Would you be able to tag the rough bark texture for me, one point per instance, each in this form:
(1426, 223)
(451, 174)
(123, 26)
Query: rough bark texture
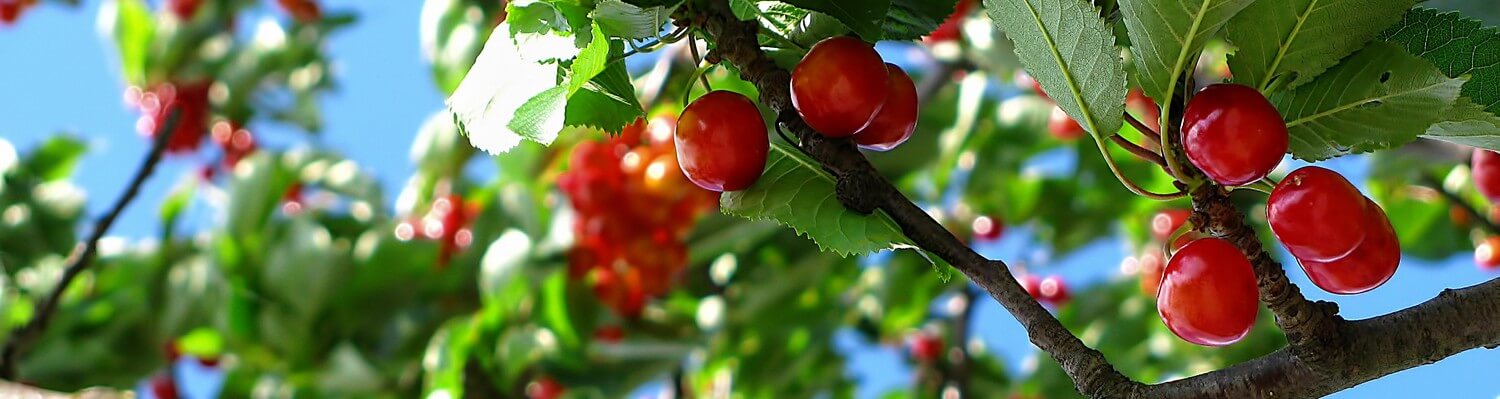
(1325, 353)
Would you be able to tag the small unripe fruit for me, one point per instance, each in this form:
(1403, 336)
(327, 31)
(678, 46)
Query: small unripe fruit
(1207, 294)
(839, 86)
(1314, 212)
(721, 142)
(1233, 134)
(896, 119)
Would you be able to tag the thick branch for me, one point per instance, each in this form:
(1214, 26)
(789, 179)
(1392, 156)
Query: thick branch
(83, 254)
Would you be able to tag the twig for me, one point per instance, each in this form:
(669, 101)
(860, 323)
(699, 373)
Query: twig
(83, 254)
(1483, 220)
(962, 323)
(1137, 150)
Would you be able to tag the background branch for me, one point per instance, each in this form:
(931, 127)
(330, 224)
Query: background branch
(83, 254)
(1453, 198)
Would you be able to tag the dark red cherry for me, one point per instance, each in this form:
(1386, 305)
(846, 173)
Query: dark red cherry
(1233, 134)
(896, 119)
(1311, 212)
(839, 86)
(1369, 266)
(1207, 294)
(1485, 167)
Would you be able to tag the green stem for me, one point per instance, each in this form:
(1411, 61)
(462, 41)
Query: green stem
(1114, 168)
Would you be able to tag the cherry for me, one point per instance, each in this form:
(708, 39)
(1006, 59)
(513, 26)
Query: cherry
(1315, 213)
(1369, 266)
(1025, 80)
(1208, 295)
(303, 11)
(172, 351)
(896, 119)
(1486, 171)
(1053, 290)
(237, 143)
(988, 228)
(1032, 285)
(721, 141)
(839, 86)
(1487, 253)
(949, 30)
(545, 388)
(1151, 267)
(1167, 222)
(1144, 109)
(1062, 126)
(162, 387)
(184, 9)
(1233, 134)
(10, 11)
(609, 334)
(925, 347)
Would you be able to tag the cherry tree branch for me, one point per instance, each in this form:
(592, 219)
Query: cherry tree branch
(1479, 218)
(83, 254)
(1325, 353)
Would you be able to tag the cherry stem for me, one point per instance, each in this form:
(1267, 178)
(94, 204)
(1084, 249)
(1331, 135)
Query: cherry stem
(1484, 221)
(1166, 247)
(697, 60)
(654, 45)
(1147, 131)
(697, 74)
(83, 254)
(1263, 185)
(1137, 150)
(1114, 168)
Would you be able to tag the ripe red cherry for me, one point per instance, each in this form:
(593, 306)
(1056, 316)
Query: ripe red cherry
(1062, 126)
(1151, 265)
(162, 387)
(1167, 222)
(1053, 290)
(184, 9)
(10, 11)
(1208, 295)
(1233, 134)
(721, 142)
(545, 388)
(1026, 81)
(949, 30)
(303, 11)
(1487, 254)
(896, 119)
(925, 347)
(609, 334)
(1313, 212)
(1486, 170)
(1031, 284)
(839, 86)
(988, 228)
(1368, 266)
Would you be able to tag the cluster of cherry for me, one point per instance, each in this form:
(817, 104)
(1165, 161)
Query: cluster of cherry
(447, 221)
(1342, 239)
(635, 208)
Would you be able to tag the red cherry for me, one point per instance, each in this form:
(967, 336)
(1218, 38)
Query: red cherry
(10, 11)
(1487, 254)
(237, 143)
(839, 86)
(1053, 290)
(1032, 285)
(1312, 211)
(1144, 109)
(1368, 266)
(1025, 80)
(184, 9)
(896, 119)
(172, 351)
(610, 334)
(721, 142)
(303, 11)
(1208, 295)
(1151, 268)
(924, 347)
(545, 388)
(1486, 171)
(1167, 222)
(209, 362)
(987, 228)
(1233, 134)
(1062, 126)
(162, 387)
(949, 30)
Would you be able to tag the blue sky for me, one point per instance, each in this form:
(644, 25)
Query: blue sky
(56, 75)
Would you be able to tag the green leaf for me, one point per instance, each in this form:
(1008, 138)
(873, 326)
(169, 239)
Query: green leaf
(1066, 46)
(745, 10)
(864, 17)
(1458, 46)
(1467, 124)
(796, 192)
(590, 62)
(56, 158)
(498, 87)
(541, 117)
(619, 19)
(1380, 97)
(912, 19)
(1303, 37)
(1167, 35)
(607, 102)
(133, 28)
